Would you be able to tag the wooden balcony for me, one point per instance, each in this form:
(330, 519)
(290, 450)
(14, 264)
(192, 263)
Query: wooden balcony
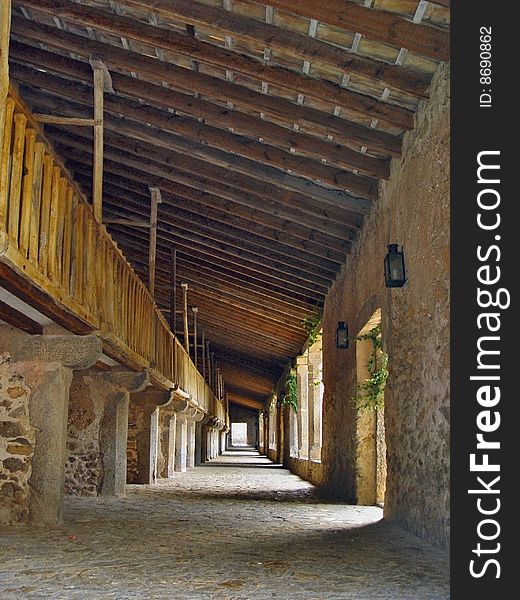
(55, 256)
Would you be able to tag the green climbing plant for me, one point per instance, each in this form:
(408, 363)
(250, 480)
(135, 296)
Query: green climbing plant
(291, 392)
(371, 393)
(312, 325)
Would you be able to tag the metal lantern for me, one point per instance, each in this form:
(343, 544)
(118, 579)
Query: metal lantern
(342, 335)
(395, 274)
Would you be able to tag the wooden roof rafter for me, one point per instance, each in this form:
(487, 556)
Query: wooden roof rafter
(267, 127)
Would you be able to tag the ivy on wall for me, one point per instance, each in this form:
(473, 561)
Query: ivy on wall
(371, 393)
(289, 397)
(312, 325)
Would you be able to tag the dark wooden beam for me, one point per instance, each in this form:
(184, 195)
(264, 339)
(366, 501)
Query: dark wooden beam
(241, 276)
(231, 257)
(358, 185)
(212, 138)
(172, 41)
(303, 46)
(379, 25)
(289, 233)
(151, 69)
(23, 289)
(310, 148)
(18, 319)
(275, 201)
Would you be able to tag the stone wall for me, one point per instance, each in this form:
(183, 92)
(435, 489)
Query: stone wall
(83, 467)
(132, 463)
(17, 441)
(413, 211)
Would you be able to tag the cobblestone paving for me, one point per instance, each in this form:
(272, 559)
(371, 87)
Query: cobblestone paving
(238, 528)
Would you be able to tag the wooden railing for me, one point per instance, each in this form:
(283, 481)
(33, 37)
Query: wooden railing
(49, 235)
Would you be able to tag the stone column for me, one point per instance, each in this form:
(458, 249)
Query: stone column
(315, 403)
(302, 382)
(201, 440)
(145, 422)
(167, 424)
(181, 443)
(192, 416)
(114, 427)
(223, 435)
(181, 408)
(46, 362)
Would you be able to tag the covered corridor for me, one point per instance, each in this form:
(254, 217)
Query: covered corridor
(224, 299)
(238, 527)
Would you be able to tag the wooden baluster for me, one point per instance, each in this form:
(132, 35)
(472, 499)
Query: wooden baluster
(67, 238)
(45, 210)
(25, 196)
(25, 205)
(53, 223)
(20, 122)
(5, 160)
(62, 198)
(80, 254)
(74, 246)
(36, 193)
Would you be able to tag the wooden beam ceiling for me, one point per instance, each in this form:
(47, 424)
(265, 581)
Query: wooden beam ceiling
(266, 168)
(376, 24)
(297, 44)
(167, 39)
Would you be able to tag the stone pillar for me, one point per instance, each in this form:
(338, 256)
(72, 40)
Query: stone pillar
(144, 418)
(46, 362)
(181, 443)
(181, 409)
(167, 425)
(315, 403)
(190, 453)
(223, 435)
(201, 440)
(302, 383)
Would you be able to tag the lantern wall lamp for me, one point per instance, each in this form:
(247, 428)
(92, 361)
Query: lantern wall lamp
(395, 273)
(342, 335)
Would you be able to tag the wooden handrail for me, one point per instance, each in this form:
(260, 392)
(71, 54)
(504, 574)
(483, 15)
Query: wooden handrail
(48, 235)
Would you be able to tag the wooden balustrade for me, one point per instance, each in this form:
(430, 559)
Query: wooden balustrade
(48, 234)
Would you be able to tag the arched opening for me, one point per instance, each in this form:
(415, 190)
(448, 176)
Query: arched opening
(371, 366)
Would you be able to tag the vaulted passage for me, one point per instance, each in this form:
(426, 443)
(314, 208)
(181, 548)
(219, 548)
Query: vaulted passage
(238, 527)
(224, 298)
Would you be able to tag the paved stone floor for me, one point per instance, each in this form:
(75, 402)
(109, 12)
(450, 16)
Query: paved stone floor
(237, 528)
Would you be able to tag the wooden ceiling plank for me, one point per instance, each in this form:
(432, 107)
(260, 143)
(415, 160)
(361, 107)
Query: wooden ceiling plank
(250, 278)
(376, 24)
(157, 174)
(308, 147)
(277, 155)
(209, 54)
(285, 40)
(273, 179)
(209, 222)
(341, 129)
(270, 309)
(240, 256)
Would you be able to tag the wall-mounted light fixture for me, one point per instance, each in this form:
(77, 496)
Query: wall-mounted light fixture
(395, 274)
(341, 335)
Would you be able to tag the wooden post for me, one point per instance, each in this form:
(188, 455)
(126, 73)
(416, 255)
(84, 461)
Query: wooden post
(195, 336)
(213, 372)
(5, 28)
(208, 358)
(173, 293)
(152, 251)
(102, 82)
(203, 348)
(184, 287)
